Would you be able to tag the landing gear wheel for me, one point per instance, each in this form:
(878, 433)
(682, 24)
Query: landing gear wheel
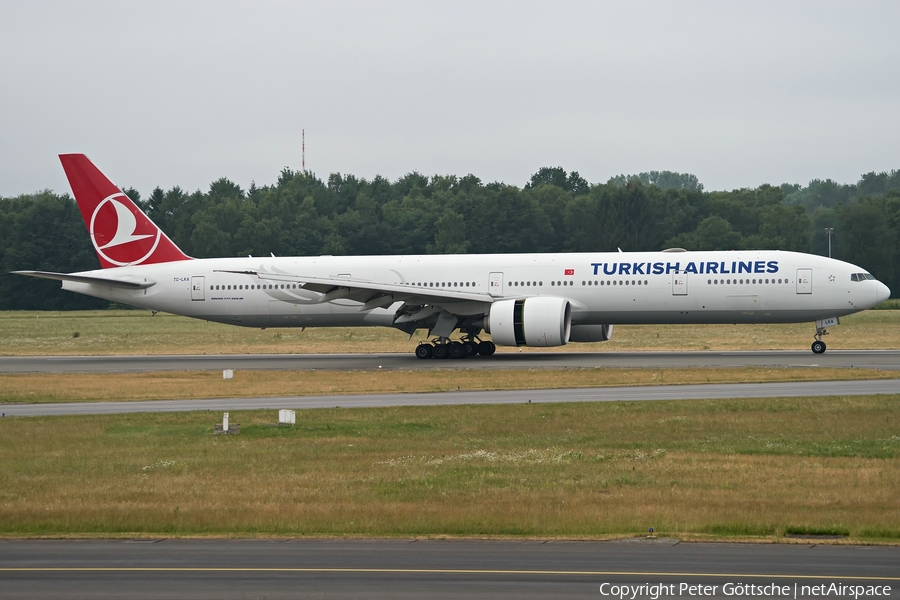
(441, 351)
(471, 348)
(457, 350)
(424, 351)
(818, 347)
(486, 348)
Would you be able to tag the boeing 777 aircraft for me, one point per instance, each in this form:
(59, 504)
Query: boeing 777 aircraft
(520, 299)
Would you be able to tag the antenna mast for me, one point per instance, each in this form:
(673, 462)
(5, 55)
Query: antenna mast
(303, 149)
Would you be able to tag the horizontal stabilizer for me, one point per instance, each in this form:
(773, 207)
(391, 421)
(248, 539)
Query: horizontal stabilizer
(127, 283)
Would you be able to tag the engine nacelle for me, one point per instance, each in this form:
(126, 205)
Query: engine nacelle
(591, 333)
(534, 321)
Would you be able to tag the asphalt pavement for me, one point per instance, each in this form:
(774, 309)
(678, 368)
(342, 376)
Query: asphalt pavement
(871, 359)
(336, 569)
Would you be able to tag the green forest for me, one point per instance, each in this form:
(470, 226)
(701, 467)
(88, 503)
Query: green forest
(556, 211)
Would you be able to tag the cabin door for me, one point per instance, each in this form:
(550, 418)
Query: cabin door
(197, 288)
(495, 285)
(679, 284)
(804, 281)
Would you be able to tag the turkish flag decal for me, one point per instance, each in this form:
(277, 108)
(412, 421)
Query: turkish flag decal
(570, 271)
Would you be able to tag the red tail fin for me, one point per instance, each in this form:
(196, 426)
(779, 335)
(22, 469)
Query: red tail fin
(122, 235)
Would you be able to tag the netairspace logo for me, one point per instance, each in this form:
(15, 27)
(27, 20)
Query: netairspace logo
(655, 591)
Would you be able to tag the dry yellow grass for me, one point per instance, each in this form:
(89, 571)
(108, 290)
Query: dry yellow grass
(729, 468)
(136, 332)
(85, 387)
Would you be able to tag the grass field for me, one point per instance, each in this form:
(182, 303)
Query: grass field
(137, 332)
(91, 387)
(724, 469)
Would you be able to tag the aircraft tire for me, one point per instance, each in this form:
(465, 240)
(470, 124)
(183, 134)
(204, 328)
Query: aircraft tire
(471, 348)
(441, 351)
(457, 350)
(424, 351)
(486, 348)
(818, 347)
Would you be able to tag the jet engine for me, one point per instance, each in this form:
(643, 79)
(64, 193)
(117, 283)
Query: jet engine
(535, 321)
(591, 333)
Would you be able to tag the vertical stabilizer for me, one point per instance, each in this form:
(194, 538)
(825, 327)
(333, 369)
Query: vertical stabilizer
(121, 233)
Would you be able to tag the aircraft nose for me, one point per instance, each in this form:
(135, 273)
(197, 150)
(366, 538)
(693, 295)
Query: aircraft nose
(882, 293)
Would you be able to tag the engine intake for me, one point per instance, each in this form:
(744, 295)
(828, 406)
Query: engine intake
(535, 321)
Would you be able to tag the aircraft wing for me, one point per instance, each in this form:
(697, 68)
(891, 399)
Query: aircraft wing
(129, 282)
(379, 295)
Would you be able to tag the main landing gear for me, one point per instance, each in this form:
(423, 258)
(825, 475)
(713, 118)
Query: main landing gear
(444, 348)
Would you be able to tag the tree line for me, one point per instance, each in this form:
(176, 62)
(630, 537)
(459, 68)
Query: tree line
(556, 211)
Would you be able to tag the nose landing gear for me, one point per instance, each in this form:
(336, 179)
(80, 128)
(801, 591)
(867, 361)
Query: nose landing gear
(818, 346)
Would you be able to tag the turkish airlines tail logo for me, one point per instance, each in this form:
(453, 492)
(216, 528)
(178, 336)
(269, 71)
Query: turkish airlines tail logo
(122, 235)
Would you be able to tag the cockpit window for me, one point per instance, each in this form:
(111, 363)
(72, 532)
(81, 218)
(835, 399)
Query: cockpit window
(861, 277)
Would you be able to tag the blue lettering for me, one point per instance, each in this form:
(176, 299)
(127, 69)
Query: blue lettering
(690, 268)
(609, 271)
(759, 266)
(657, 268)
(638, 269)
(596, 267)
(773, 266)
(670, 268)
(733, 267)
(725, 271)
(712, 268)
(624, 269)
(745, 267)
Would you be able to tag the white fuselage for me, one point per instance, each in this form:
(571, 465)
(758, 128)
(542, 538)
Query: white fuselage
(603, 288)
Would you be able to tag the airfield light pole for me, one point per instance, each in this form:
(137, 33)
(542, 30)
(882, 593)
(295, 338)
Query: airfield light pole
(829, 231)
(303, 150)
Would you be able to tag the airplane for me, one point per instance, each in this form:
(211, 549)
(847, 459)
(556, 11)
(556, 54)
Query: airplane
(540, 300)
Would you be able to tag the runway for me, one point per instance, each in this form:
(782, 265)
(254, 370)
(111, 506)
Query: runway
(337, 569)
(871, 359)
(605, 394)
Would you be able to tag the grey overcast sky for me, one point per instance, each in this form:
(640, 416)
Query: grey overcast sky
(181, 93)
